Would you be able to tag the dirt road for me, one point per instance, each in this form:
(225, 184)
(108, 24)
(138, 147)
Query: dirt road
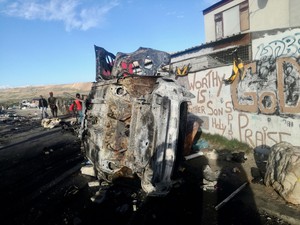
(41, 183)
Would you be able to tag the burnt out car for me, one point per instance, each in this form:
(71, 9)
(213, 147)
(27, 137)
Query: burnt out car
(135, 119)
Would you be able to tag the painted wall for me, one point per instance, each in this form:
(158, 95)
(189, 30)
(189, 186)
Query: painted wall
(261, 109)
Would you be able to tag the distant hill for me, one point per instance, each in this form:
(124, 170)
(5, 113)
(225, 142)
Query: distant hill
(10, 96)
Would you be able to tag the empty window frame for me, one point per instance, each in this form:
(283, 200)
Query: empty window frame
(219, 25)
(244, 16)
(232, 21)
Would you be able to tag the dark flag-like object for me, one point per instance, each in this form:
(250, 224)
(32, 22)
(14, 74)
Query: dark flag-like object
(104, 63)
(237, 69)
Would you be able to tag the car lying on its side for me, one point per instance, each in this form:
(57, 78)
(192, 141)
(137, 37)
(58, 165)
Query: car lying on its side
(135, 119)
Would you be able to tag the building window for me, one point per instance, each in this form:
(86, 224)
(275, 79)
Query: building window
(219, 25)
(244, 16)
(232, 21)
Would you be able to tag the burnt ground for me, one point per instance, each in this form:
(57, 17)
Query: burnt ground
(41, 183)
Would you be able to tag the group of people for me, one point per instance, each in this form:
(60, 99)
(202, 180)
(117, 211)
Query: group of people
(43, 105)
(75, 107)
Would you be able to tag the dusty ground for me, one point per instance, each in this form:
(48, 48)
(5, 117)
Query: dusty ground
(41, 183)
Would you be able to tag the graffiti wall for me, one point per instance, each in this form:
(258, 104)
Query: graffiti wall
(262, 106)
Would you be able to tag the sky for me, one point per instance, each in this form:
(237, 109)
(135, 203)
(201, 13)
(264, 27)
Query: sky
(44, 42)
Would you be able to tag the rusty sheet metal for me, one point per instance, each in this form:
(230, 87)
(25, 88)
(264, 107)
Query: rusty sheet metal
(138, 85)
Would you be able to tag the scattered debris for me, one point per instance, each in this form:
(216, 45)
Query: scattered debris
(211, 154)
(134, 207)
(200, 144)
(188, 157)
(236, 170)
(88, 170)
(208, 185)
(239, 157)
(50, 123)
(69, 126)
(100, 195)
(221, 204)
(94, 183)
(209, 174)
(72, 190)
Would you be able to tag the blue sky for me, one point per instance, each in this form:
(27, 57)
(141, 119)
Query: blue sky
(52, 41)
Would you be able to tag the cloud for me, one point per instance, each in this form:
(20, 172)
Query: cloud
(73, 13)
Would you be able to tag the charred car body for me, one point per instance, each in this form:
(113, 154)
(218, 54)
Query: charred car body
(135, 119)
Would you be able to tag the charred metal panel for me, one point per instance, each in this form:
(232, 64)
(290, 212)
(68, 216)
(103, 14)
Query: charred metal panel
(132, 127)
(144, 61)
(104, 63)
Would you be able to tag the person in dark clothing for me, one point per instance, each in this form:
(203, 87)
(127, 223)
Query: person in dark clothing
(43, 106)
(52, 104)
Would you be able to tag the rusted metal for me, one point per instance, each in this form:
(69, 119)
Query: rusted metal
(135, 126)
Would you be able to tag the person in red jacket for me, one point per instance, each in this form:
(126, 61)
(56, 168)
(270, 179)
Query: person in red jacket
(76, 107)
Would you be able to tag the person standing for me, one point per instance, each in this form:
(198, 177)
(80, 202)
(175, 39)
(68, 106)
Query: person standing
(43, 105)
(52, 104)
(76, 107)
